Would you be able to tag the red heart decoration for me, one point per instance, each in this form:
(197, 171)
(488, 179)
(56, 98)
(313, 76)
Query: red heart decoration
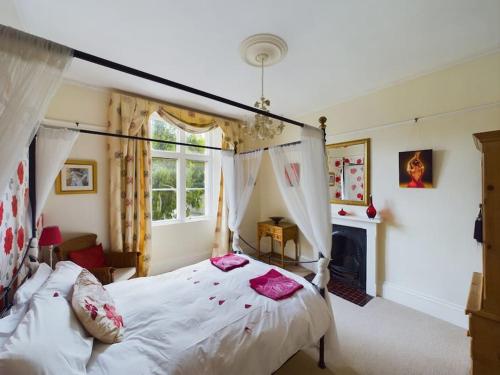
(211, 298)
(247, 306)
(221, 301)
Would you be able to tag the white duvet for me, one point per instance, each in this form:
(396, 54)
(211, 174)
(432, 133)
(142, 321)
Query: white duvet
(200, 320)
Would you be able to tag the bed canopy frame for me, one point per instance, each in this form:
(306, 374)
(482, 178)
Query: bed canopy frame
(7, 293)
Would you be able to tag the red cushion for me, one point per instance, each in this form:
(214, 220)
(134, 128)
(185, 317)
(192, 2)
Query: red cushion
(91, 257)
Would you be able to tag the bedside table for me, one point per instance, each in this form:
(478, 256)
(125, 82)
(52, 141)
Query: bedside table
(282, 233)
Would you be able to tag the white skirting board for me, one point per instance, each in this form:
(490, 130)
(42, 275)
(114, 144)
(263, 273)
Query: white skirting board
(430, 305)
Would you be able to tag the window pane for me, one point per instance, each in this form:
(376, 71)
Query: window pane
(195, 139)
(164, 173)
(195, 174)
(164, 205)
(165, 131)
(195, 202)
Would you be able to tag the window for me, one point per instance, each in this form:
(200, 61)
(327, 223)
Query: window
(182, 175)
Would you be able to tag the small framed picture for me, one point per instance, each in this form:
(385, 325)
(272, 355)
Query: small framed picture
(77, 177)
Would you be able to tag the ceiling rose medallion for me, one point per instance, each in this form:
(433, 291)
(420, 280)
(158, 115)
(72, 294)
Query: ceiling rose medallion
(263, 50)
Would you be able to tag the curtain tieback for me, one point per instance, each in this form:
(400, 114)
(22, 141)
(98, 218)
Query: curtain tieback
(323, 273)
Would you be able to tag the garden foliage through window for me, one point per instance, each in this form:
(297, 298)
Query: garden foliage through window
(180, 173)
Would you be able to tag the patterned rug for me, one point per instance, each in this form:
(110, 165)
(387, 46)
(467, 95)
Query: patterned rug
(345, 291)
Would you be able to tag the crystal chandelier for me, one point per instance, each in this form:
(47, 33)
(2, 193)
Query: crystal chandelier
(263, 50)
(263, 127)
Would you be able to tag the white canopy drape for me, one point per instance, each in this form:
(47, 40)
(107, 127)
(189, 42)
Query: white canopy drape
(52, 149)
(302, 176)
(30, 71)
(240, 174)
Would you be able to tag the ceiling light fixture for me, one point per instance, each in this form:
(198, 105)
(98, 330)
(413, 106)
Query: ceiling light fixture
(263, 50)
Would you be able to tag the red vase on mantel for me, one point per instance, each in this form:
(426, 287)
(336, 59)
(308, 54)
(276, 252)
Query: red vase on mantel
(371, 212)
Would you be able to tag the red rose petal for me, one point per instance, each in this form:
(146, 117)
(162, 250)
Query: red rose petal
(196, 282)
(211, 298)
(55, 294)
(221, 301)
(247, 306)
(216, 283)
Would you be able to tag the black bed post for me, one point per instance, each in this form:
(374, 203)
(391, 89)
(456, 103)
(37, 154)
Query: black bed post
(32, 184)
(321, 362)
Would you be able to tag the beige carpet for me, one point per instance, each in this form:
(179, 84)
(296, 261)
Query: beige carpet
(384, 338)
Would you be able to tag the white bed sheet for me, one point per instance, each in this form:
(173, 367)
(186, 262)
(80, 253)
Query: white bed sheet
(174, 326)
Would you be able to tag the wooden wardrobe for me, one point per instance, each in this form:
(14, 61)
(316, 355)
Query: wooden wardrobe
(483, 305)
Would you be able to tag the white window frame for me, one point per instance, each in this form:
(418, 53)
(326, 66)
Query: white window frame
(182, 155)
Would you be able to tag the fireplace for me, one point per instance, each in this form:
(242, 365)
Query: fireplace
(348, 256)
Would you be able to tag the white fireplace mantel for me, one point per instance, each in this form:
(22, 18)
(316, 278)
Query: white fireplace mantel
(370, 225)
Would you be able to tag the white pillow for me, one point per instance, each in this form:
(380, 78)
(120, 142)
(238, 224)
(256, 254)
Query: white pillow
(61, 281)
(9, 323)
(49, 340)
(22, 297)
(31, 286)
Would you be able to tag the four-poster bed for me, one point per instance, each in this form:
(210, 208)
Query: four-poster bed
(307, 200)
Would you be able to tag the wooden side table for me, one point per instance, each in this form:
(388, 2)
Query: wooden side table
(282, 233)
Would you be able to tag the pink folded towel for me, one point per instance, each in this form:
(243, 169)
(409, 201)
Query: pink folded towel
(275, 285)
(228, 262)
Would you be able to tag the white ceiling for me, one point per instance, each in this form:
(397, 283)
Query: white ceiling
(338, 49)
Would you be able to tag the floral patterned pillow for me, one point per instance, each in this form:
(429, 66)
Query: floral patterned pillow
(95, 309)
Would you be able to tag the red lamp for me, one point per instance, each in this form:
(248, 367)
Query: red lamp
(50, 236)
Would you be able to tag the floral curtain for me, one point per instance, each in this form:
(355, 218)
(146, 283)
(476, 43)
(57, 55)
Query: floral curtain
(130, 170)
(14, 224)
(130, 182)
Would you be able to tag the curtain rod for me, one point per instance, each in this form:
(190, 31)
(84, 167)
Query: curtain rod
(151, 77)
(97, 132)
(267, 148)
(106, 134)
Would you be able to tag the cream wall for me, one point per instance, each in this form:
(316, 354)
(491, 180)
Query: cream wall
(173, 245)
(427, 254)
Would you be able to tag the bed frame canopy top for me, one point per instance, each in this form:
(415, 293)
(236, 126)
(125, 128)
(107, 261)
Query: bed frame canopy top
(6, 295)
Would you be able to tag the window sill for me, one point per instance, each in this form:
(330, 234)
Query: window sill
(160, 223)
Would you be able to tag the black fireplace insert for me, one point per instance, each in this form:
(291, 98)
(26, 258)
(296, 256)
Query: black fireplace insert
(348, 254)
